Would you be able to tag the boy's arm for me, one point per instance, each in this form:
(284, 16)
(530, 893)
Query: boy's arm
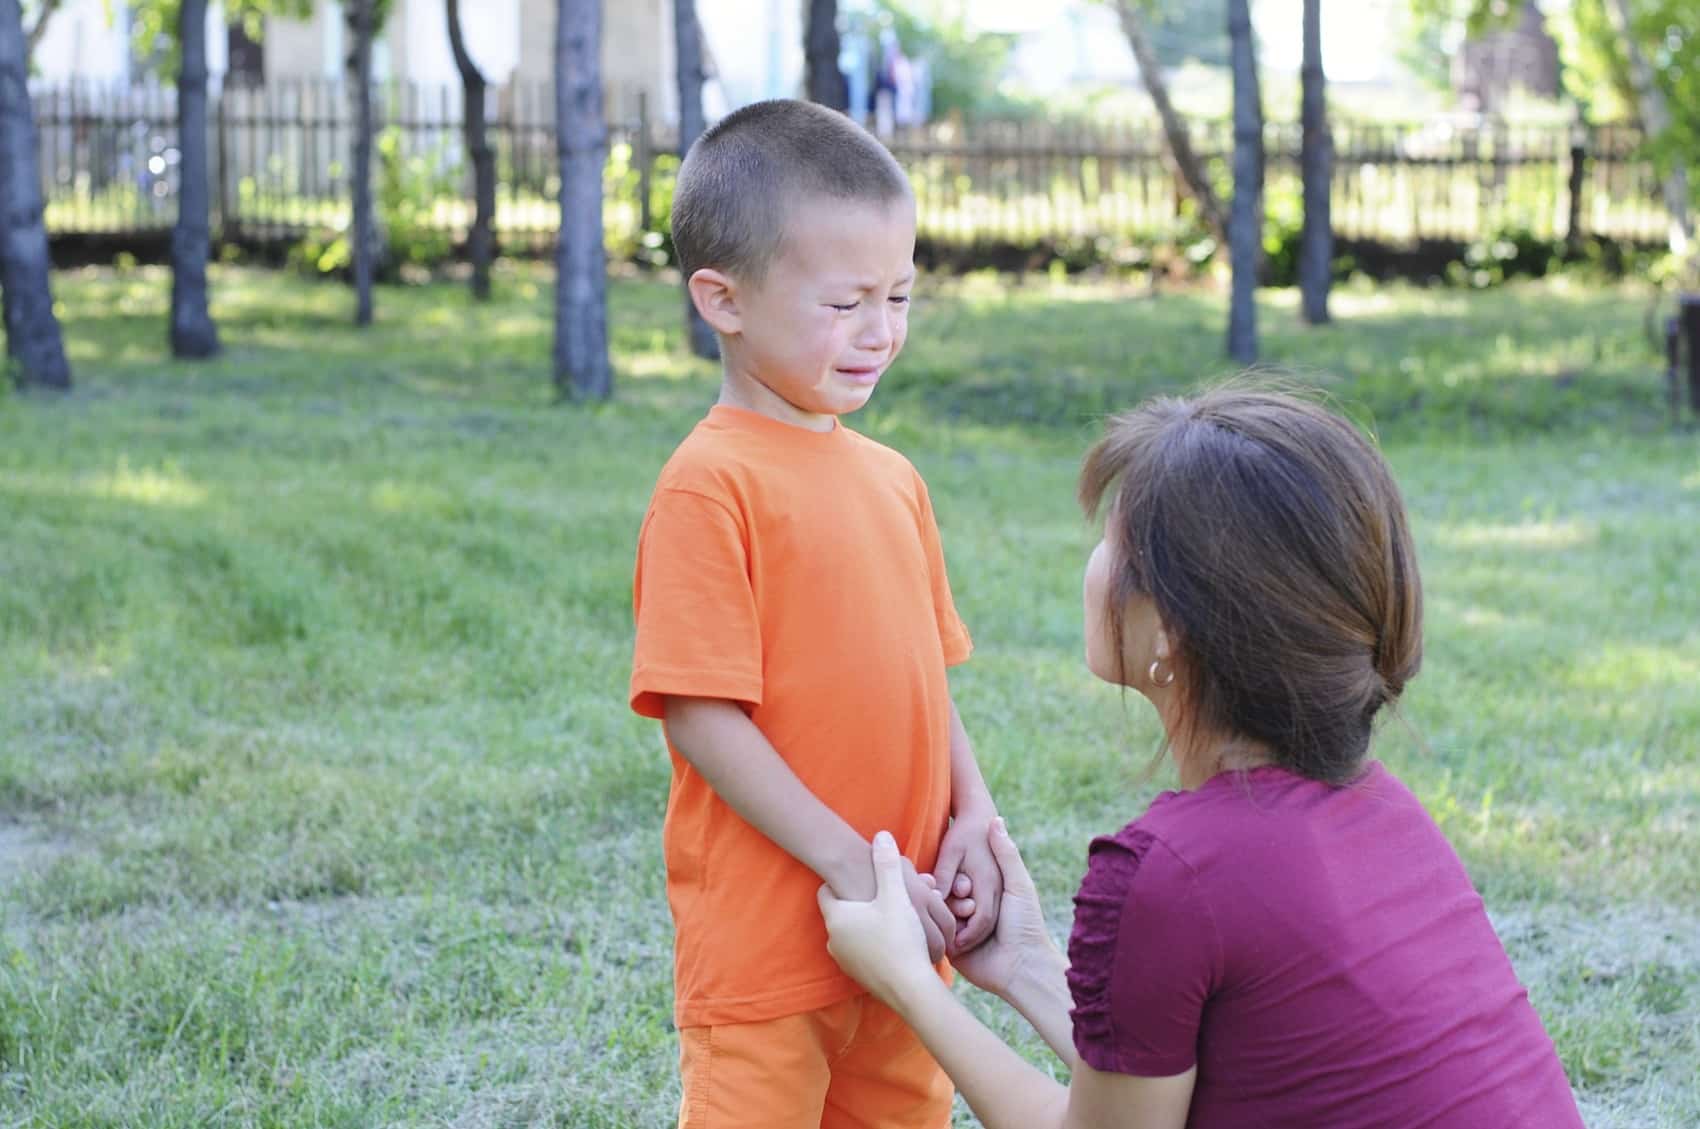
(969, 796)
(744, 769)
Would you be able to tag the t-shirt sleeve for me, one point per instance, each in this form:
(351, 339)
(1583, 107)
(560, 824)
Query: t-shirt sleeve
(697, 630)
(952, 633)
(1143, 958)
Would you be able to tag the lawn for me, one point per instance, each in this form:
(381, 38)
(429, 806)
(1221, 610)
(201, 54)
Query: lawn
(320, 804)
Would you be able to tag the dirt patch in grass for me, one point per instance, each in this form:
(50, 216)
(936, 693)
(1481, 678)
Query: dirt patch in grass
(1618, 988)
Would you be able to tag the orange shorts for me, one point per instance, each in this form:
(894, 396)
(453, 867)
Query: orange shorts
(851, 1065)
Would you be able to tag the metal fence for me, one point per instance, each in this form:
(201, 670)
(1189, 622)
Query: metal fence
(280, 170)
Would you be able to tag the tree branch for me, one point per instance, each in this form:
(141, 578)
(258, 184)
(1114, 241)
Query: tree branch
(48, 7)
(1185, 162)
(469, 72)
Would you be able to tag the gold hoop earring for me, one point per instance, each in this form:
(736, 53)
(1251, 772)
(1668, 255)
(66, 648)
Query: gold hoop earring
(1155, 681)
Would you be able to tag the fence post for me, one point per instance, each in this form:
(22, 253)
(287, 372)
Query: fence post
(643, 155)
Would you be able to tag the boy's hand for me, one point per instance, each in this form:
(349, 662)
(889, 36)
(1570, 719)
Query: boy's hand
(937, 922)
(968, 874)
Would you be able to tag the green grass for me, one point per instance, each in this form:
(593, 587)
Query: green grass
(320, 803)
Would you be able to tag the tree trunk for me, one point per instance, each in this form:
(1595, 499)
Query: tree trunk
(1187, 168)
(582, 371)
(364, 236)
(1244, 230)
(192, 331)
(32, 331)
(1655, 119)
(823, 80)
(481, 240)
(1573, 184)
(1316, 163)
(687, 36)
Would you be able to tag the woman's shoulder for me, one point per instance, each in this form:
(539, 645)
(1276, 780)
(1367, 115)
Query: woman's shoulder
(1212, 833)
(1137, 857)
(1142, 929)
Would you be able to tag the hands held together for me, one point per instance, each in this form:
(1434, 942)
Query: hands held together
(994, 915)
(957, 904)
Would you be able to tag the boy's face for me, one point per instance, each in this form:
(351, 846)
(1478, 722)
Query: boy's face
(831, 314)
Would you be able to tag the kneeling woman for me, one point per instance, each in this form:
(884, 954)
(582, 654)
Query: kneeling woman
(1288, 940)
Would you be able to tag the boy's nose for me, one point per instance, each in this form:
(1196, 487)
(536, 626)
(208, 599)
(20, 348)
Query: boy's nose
(877, 330)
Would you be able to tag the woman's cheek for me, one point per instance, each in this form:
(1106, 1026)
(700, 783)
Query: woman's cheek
(1102, 657)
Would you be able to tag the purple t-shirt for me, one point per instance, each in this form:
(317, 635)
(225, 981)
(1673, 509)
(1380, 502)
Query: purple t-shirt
(1318, 952)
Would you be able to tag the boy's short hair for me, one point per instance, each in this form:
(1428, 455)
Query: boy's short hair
(742, 177)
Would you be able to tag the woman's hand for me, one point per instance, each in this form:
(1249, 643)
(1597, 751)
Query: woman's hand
(1020, 932)
(879, 943)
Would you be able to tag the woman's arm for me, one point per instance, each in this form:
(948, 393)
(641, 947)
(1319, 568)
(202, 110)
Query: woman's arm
(880, 944)
(1003, 1088)
(1039, 991)
(1008, 1092)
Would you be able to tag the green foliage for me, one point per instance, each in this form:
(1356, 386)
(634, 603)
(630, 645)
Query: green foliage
(1424, 51)
(1514, 253)
(1595, 69)
(1670, 33)
(622, 183)
(410, 188)
(1283, 233)
(153, 25)
(1184, 31)
(967, 67)
(1596, 72)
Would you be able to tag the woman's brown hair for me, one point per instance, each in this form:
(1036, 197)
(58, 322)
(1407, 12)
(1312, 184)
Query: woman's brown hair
(1273, 541)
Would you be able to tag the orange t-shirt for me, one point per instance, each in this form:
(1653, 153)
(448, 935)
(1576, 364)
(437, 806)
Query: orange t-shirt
(800, 574)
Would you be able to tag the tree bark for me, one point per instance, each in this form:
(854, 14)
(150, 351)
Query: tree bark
(1655, 119)
(1244, 229)
(33, 341)
(193, 333)
(1573, 185)
(1184, 162)
(1316, 162)
(481, 241)
(822, 79)
(582, 371)
(687, 36)
(364, 235)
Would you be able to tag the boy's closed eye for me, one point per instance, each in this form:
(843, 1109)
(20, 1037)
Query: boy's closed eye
(846, 307)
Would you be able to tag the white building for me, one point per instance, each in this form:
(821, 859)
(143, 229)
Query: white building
(511, 40)
(84, 43)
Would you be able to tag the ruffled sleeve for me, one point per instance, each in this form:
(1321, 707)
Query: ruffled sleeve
(1143, 958)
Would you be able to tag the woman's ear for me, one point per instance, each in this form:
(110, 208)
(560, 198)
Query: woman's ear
(715, 296)
(1162, 645)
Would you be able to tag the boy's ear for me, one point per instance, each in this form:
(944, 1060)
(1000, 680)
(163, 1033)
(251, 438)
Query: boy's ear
(715, 296)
